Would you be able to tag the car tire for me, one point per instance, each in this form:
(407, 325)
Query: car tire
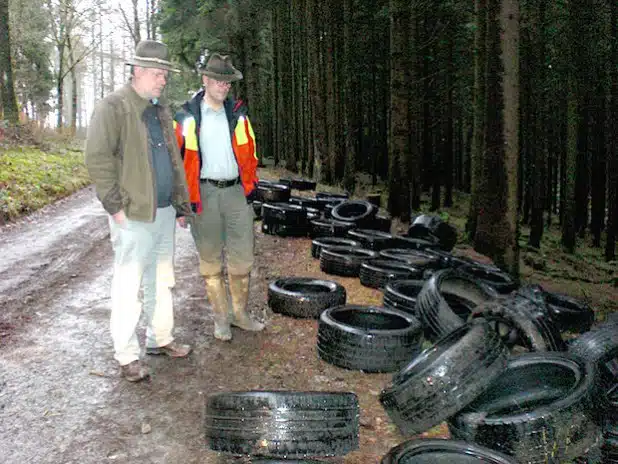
(283, 423)
(445, 378)
(304, 297)
(319, 243)
(402, 295)
(344, 261)
(538, 410)
(376, 273)
(368, 338)
(521, 324)
(433, 307)
(443, 451)
(371, 239)
(357, 211)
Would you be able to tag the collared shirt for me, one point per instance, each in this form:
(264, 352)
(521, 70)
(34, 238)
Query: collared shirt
(161, 160)
(218, 161)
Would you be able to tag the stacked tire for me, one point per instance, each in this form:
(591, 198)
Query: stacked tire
(496, 370)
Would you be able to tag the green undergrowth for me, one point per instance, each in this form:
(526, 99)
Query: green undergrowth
(31, 178)
(584, 274)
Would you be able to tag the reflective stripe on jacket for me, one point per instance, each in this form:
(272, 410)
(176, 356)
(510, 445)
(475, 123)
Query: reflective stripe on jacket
(187, 128)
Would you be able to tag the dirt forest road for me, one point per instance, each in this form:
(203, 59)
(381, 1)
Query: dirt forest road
(61, 398)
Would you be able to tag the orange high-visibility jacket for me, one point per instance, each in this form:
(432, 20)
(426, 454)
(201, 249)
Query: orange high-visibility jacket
(187, 124)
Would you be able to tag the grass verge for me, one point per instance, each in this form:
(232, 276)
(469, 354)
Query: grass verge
(31, 178)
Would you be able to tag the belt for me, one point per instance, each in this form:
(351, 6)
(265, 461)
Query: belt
(222, 183)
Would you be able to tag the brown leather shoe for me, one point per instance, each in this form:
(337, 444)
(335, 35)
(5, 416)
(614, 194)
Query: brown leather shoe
(135, 371)
(173, 350)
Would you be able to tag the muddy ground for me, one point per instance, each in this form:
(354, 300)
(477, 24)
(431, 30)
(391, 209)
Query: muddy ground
(61, 397)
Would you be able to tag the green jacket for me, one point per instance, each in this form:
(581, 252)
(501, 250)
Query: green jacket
(119, 159)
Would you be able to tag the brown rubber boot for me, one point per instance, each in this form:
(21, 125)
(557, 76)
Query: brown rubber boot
(239, 290)
(217, 295)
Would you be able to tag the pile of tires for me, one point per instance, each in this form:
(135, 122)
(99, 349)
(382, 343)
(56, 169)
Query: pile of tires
(495, 366)
(538, 406)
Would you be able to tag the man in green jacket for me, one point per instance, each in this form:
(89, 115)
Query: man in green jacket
(135, 164)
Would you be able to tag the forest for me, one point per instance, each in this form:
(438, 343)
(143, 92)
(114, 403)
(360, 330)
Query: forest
(514, 103)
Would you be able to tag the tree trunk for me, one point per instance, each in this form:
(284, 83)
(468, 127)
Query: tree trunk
(612, 146)
(539, 152)
(153, 19)
(329, 78)
(413, 162)
(347, 74)
(599, 179)
(497, 223)
(276, 86)
(447, 151)
(582, 174)
(136, 25)
(254, 21)
(60, 87)
(398, 136)
(570, 167)
(477, 149)
(7, 87)
(509, 20)
(74, 96)
(318, 116)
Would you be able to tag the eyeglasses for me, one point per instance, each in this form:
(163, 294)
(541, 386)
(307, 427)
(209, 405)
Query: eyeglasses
(222, 83)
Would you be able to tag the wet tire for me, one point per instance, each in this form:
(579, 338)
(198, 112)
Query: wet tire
(426, 225)
(356, 211)
(344, 261)
(443, 452)
(521, 324)
(312, 213)
(383, 223)
(304, 297)
(414, 243)
(417, 258)
(299, 184)
(371, 239)
(501, 281)
(449, 260)
(445, 378)
(376, 273)
(330, 228)
(537, 411)
(273, 193)
(284, 230)
(599, 346)
(284, 213)
(569, 314)
(319, 243)
(329, 196)
(402, 295)
(305, 202)
(257, 209)
(433, 308)
(368, 338)
(282, 424)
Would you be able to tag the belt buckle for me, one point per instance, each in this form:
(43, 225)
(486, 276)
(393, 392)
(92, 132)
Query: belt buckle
(221, 183)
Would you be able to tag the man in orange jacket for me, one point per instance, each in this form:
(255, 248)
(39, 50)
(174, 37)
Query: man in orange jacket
(217, 143)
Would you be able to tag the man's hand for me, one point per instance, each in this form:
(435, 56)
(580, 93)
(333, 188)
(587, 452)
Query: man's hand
(119, 218)
(182, 222)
